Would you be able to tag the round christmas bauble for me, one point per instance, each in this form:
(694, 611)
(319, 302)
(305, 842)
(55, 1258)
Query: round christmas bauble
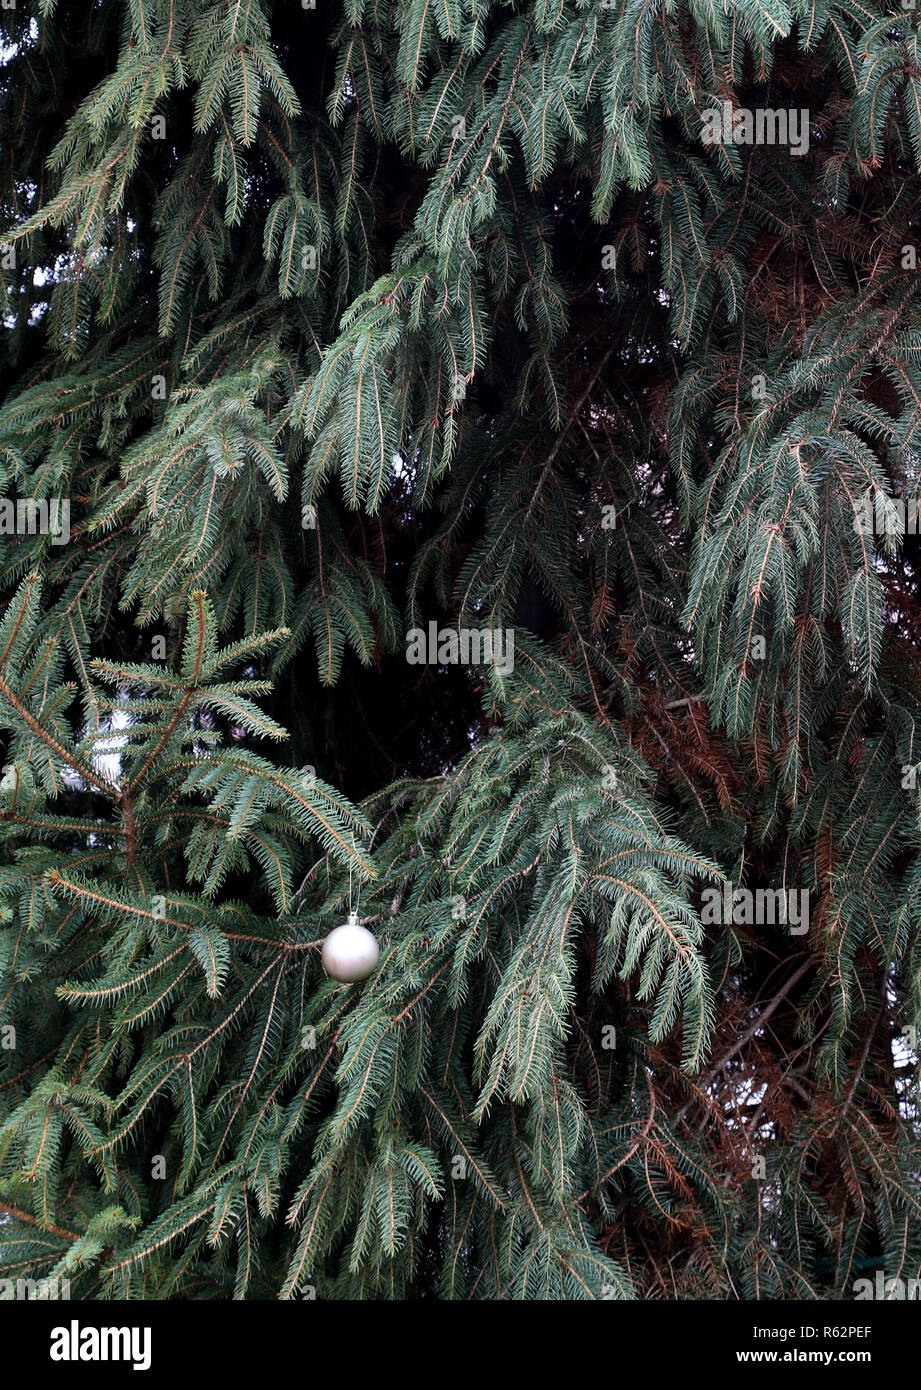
(350, 952)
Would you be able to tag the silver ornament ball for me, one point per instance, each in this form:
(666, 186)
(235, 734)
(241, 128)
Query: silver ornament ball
(350, 952)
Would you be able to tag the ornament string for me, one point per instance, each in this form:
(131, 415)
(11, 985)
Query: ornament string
(353, 910)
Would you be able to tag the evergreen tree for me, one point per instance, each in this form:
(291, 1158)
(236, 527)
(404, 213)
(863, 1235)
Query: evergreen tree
(323, 325)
